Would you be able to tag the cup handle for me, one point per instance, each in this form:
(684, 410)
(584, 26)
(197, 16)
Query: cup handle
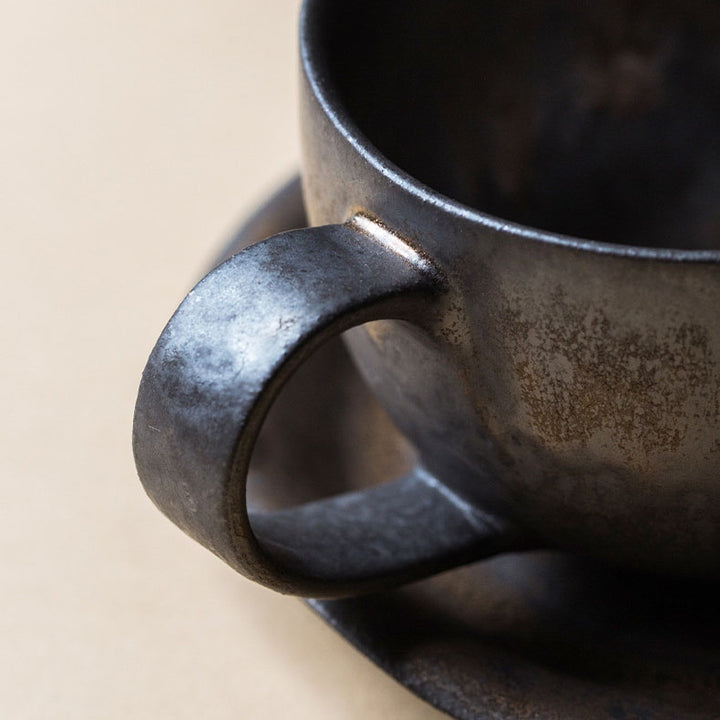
(215, 371)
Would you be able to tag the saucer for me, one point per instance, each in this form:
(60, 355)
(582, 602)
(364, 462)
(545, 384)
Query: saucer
(537, 635)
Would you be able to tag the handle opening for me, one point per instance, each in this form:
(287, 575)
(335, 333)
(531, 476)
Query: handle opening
(213, 376)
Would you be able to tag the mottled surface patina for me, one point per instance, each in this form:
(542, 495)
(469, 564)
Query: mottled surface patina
(572, 384)
(537, 636)
(556, 371)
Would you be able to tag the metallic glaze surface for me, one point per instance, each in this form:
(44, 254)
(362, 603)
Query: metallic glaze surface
(214, 373)
(533, 635)
(564, 386)
(573, 385)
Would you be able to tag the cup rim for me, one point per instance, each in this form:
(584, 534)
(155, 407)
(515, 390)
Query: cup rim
(337, 114)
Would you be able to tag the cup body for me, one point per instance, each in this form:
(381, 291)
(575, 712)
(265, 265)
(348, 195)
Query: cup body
(573, 385)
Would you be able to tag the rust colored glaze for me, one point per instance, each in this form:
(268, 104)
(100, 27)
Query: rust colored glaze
(581, 377)
(557, 370)
(516, 229)
(537, 636)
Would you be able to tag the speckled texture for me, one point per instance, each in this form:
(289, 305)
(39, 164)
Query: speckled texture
(539, 636)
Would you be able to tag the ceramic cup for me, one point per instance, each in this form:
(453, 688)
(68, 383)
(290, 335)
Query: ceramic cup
(515, 209)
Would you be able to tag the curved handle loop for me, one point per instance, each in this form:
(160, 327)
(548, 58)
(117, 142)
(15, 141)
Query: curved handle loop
(214, 373)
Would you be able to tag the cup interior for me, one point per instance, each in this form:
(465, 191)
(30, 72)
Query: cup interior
(598, 119)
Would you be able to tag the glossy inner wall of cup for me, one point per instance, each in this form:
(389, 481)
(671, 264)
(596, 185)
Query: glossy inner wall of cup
(599, 120)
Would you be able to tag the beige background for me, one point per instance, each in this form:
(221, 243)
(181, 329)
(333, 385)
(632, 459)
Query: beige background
(135, 135)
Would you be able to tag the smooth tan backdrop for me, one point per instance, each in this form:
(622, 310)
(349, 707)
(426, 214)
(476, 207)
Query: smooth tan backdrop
(135, 136)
